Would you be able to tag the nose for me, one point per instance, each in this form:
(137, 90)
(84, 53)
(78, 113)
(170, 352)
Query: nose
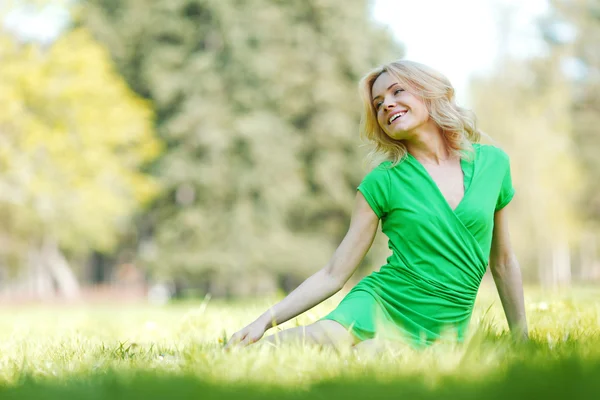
(389, 102)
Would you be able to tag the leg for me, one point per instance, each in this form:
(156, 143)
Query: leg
(324, 332)
(379, 347)
(369, 347)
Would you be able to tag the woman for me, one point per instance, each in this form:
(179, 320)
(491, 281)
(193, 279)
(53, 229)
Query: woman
(441, 197)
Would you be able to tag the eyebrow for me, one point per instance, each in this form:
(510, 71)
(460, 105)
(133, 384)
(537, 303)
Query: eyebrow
(391, 86)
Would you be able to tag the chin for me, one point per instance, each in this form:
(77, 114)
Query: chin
(399, 134)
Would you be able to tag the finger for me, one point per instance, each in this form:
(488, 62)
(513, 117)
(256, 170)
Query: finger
(237, 338)
(234, 339)
(245, 342)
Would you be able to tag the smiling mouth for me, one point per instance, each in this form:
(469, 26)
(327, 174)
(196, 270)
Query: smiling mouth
(396, 116)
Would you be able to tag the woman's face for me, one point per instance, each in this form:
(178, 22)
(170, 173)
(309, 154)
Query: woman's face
(398, 112)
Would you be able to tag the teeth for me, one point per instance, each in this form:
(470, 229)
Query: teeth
(395, 117)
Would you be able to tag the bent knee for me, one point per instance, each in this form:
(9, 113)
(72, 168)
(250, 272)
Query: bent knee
(329, 332)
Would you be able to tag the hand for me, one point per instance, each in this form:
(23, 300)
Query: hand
(520, 334)
(246, 336)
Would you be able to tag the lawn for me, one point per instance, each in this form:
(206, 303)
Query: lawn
(175, 351)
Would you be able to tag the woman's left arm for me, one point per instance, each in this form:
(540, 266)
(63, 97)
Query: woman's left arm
(507, 276)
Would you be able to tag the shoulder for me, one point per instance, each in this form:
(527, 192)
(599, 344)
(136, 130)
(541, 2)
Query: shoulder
(381, 171)
(382, 168)
(490, 151)
(378, 177)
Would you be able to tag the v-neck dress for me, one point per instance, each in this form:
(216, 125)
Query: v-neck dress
(427, 288)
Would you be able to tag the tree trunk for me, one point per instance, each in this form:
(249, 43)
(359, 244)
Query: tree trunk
(588, 254)
(561, 264)
(40, 282)
(555, 264)
(66, 283)
(544, 266)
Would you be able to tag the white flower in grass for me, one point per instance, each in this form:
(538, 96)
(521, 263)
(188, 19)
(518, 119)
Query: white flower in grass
(542, 306)
(150, 325)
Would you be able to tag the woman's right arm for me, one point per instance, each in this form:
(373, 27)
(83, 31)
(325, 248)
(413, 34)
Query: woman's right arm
(325, 282)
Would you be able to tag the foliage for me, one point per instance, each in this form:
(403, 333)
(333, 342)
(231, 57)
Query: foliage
(545, 111)
(257, 103)
(524, 106)
(73, 138)
(572, 32)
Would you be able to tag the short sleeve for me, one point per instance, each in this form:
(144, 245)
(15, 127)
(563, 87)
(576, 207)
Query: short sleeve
(507, 190)
(375, 188)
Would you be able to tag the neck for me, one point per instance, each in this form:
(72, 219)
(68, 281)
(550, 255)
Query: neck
(427, 144)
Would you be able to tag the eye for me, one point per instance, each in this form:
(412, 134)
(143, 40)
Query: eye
(378, 104)
(398, 91)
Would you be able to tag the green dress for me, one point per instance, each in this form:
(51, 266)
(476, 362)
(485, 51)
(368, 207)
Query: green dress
(427, 288)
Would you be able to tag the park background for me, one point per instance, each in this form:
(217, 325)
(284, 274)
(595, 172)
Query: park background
(170, 169)
(192, 147)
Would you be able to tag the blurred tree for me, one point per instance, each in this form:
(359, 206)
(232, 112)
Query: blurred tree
(524, 106)
(72, 140)
(572, 33)
(257, 103)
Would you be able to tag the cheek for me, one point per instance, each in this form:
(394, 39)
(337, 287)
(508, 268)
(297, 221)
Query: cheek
(422, 112)
(381, 121)
(417, 106)
(425, 109)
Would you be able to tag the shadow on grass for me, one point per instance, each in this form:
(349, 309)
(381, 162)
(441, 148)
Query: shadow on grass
(560, 379)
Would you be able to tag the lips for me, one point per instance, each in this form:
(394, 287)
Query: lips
(396, 115)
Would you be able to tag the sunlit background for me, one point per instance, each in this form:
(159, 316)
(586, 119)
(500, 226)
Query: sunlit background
(151, 149)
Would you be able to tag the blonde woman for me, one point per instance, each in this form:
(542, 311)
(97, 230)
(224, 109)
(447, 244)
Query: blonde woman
(441, 198)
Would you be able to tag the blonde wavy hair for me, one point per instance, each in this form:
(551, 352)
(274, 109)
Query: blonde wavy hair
(457, 123)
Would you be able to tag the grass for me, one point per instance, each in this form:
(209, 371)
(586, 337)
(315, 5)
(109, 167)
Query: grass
(152, 352)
